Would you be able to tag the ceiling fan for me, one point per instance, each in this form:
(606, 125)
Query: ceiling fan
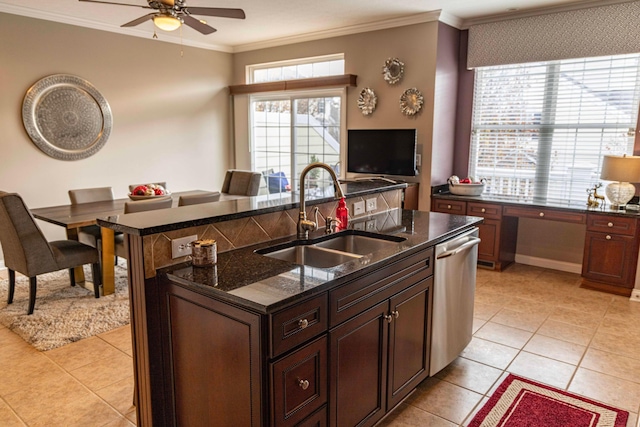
(171, 14)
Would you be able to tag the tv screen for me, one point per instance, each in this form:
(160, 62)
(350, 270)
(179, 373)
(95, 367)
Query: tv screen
(382, 151)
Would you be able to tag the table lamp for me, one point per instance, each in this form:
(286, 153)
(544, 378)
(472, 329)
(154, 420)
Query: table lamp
(623, 170)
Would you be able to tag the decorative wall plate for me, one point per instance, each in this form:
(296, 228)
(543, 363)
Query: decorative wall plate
(393, 70)
(411, 101)
(66, 117)
(367, 101)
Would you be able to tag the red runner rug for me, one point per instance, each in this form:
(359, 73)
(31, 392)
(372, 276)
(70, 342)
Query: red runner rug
(519, 402)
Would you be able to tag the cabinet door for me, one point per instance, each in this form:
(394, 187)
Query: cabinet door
(610, 258)
(409, 341)
(358, 368)
(489, 247)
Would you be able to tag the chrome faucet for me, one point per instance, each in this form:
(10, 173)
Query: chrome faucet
(305, 225)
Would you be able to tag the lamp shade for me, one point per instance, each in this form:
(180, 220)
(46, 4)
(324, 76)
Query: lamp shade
(167, 22)
(621, 168)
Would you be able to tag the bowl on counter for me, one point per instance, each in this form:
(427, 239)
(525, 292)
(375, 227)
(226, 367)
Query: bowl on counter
(161, 196)
(474, 189)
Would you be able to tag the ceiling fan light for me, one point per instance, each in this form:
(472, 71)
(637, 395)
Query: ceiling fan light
(166, 22)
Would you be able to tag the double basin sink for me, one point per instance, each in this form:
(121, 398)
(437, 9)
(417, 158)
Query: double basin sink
(331, 250)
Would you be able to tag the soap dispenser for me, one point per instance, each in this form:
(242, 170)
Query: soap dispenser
(342, 214)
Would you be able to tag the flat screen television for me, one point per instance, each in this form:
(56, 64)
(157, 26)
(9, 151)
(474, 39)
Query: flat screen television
(382, 151)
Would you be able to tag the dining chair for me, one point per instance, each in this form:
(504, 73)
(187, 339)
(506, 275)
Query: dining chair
(91, 234)
(241, 182)
(28, 252)
(120, 246)
(196, 199)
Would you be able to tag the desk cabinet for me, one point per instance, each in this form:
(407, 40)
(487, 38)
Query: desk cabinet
(497, 233)
(610, 253)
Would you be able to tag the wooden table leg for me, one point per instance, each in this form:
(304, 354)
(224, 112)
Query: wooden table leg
(108, 261)
(72, 234)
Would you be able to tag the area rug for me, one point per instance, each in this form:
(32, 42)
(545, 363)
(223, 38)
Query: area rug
(63, 314)
(519, 402)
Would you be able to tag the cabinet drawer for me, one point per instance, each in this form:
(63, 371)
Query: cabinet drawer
(485, 210)
(360, 294)
(544, 213)
(299, 384)
(295, 325)
(450, 206)
(612, 224)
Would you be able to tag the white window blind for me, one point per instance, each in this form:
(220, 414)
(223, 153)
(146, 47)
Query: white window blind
(540, 130)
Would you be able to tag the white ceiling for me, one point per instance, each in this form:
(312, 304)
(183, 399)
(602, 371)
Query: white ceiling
(277, 22)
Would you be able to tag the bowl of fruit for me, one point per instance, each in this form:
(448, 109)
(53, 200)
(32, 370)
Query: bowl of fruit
(466, 186)
(149, 191)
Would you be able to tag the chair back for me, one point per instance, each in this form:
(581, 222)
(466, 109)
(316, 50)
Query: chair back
(241, 183)
(90, 195)
(133, 186)
(196, 199)
(25, 248)
(148, 205)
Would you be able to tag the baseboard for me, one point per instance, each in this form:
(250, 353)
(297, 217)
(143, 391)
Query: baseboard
(635, 296)
(569, 267)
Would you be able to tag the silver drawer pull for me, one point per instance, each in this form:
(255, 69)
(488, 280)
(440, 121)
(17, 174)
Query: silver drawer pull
(541, 214)
(304, 384)
(303, 323)
(608, 237)
(610, 224)
(483, 210)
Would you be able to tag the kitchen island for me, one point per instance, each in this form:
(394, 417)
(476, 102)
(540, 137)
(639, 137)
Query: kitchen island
(261, 341)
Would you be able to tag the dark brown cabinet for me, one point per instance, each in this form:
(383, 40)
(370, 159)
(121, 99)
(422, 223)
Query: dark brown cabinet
(610, 253)
(411, 196)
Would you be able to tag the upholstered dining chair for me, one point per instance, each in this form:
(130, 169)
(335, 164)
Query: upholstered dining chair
(241, 182)
(120, 246)
(196, 199)
(28, 252)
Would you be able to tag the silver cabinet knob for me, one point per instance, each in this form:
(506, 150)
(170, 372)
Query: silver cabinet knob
(448, 206)
(395, 314)
(483, 210)
(608, 237)
(541, 214)
(303, 323)
(610, 224)
(304, 384)
(389, 318)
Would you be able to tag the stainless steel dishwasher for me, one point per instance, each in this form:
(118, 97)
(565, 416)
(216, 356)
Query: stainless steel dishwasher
(453, 296)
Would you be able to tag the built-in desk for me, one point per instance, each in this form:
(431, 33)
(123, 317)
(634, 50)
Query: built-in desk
(611, 237)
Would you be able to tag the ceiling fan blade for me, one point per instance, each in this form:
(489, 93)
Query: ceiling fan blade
(117, 4)
(217, 11)
(197, 25)
(139, 20)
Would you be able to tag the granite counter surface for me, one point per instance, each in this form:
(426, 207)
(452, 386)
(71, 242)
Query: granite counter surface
(265, 284)
(163, 220)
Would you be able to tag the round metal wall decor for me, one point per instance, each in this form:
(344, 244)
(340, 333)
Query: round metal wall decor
(66, 117)
(367, 101)
(411, 102)
(393, 70)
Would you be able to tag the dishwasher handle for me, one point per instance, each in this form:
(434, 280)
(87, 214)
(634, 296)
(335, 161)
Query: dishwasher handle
(472, 242)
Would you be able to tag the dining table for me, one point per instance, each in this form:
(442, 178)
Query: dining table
(75, 216)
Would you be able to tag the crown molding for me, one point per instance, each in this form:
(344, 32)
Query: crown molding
(418, 18)
(583, 4)
(163, 37)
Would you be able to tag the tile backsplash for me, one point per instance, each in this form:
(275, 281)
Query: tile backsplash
(248, 231)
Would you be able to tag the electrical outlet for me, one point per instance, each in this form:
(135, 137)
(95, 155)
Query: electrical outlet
(358, 226)
(358, 208)
(372, 204)
(182, 246)
(370, 225)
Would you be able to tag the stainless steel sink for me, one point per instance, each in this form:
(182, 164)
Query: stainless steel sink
(331, 250)
(312, 256)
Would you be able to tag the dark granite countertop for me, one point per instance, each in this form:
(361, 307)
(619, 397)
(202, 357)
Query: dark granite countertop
(163, 220)
(571, 205)
(265, 284)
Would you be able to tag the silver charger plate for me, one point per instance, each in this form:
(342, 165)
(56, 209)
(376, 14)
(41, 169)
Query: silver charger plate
(411, 101)
(367, 101)
(66, 117)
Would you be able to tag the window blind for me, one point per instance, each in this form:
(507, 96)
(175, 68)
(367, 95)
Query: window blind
(540, 130)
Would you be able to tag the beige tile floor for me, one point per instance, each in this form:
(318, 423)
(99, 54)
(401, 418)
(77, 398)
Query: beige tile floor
(529, 321)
